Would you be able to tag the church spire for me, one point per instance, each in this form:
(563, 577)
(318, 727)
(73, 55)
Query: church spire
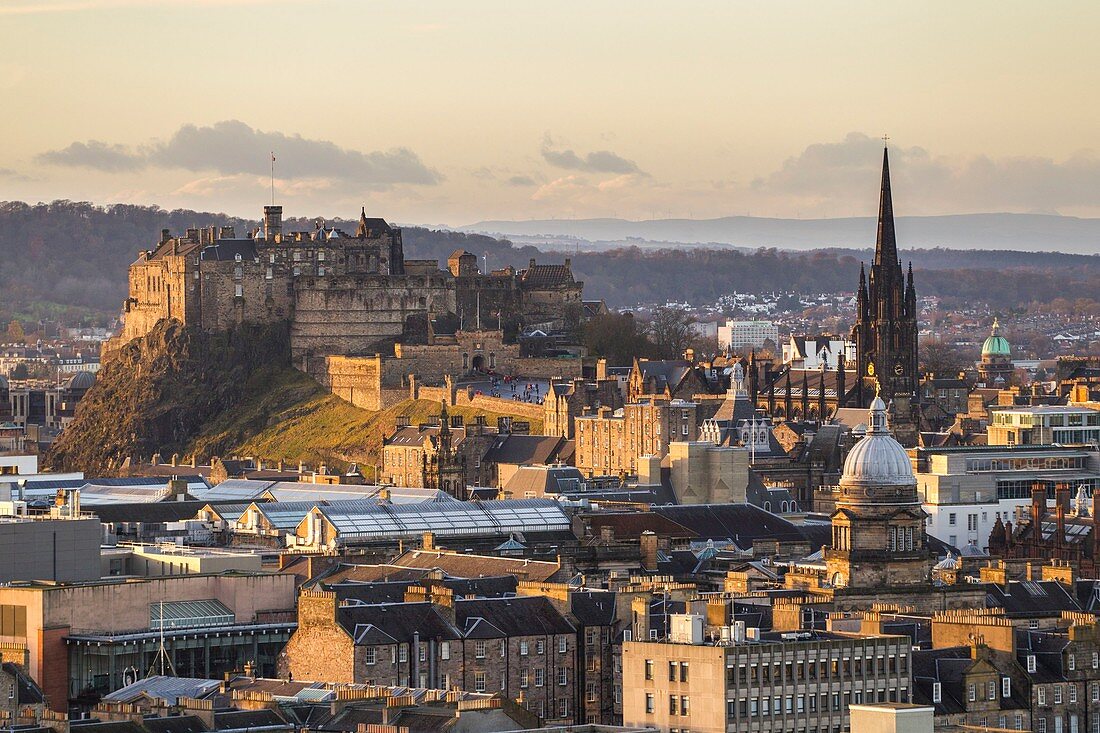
(886, 246)
(361, 232)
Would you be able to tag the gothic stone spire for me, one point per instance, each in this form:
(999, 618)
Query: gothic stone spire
(886, 246)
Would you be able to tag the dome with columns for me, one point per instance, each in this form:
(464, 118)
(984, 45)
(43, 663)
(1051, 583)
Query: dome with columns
(878, 459)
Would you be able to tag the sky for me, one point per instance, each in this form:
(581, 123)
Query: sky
(447, 112)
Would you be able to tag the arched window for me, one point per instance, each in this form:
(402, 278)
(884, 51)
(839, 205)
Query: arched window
(465, 361)
(492, 360)
(767, 506)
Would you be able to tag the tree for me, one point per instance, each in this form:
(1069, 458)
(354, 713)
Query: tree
(16, 332)
(670, 331)
(615, 337)
(943, 360)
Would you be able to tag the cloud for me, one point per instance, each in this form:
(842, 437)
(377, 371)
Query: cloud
(13, 175)
(521, 181)
(598, 161)
(839, 173)
(233, 148)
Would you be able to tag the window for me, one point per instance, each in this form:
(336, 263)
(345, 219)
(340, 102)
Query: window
(479, 682)
(523, 648)
(650, 708)
(1095, 660)
(951, 519)
(445, 650)
(649, 669)
(1041, 695)
(1072, 662)
(673, 671)
(673, 705)
(1096, 694)
(563, 644)
(1057, 694)
(683, 671)
(540, 646)
(238, 290)
(563, 676)
(685, 705)
(1030, 662)
(1041, 725)
(540, 677)
(970, 693)
(937, 692)
(370, 655)
(1006, 687)
(403, 653)
(992, 690)
(479, 649)
(1073, 693)
(523, 677)
(1018, 722)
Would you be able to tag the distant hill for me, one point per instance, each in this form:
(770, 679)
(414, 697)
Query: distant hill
(1021, 232)
(67, 260)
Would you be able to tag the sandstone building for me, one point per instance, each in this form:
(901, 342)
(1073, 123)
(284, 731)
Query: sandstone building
(342, 293)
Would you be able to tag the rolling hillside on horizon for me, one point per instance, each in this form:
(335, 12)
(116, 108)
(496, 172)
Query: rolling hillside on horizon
(1021, 232)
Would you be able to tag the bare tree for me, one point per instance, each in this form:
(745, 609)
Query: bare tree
(670, 331)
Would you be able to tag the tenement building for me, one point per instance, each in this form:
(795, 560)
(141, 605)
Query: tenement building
(342, 293)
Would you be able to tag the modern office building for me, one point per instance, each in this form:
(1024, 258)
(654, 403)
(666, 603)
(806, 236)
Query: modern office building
(783, 681)
(1044, 425)
(965, 489)
(741, 335)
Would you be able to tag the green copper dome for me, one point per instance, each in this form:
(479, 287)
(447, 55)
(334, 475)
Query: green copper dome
(996, 344)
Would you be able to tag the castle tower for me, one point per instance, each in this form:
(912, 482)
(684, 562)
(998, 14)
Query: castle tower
(886, 320)
(878, 525)
(273, 222)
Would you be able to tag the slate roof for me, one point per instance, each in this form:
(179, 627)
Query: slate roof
(546, 275)
(227, 250)
(492, 618)
(1029, 598)
(28, 693)
(545, 480)
(466, 565)
(162, 511)
(742, 523)
(593, 608)
(524, 449)
(175, 724)
(665, 374)
(247, 719)
(388, 623)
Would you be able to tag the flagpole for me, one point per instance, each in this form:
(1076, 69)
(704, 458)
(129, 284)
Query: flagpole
(272, 177)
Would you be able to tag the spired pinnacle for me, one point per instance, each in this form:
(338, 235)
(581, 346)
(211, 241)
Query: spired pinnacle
(886, 245)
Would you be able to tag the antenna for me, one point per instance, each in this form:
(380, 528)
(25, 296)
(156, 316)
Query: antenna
(162, 657)
(272, 177)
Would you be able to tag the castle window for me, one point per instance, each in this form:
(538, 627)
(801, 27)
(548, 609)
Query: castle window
(465, 361)
(320, 255)
(238, 272)
(238, 290)
(492, 360)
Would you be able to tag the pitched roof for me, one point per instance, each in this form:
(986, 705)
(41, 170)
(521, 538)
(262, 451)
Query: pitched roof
(546, 275)
(464, 565)
(517, 616)
(394, 622)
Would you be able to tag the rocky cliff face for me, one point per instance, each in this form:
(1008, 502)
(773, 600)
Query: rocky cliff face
(157, 392)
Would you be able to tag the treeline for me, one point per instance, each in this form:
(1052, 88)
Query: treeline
(67, 260)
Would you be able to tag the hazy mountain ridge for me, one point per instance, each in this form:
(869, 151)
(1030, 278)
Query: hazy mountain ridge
(995, 231)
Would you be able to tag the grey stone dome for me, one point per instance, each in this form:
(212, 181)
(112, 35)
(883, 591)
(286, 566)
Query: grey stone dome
(81, 380)
(878, 459)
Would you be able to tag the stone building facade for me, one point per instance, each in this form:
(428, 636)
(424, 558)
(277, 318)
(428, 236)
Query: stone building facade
(610, 443)
(343, 293)
(521, 647)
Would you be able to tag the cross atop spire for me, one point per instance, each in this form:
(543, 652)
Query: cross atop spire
(886, 245)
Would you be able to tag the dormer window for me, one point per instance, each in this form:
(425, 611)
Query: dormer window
(1031, 663)
(937, 692)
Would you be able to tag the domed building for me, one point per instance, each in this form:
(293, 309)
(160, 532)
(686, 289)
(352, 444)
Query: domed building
(878, 525)
(995, 368)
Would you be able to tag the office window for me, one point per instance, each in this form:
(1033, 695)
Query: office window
(649, 669)
(649, 706)
(673, 671)
(754, 707)
(685, 705)
(683, 671)
(673, 705)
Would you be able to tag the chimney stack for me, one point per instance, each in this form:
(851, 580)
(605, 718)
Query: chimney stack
(649, 551)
